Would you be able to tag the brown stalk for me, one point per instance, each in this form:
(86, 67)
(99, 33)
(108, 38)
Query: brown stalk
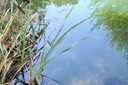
(7, 29)
(24, 4)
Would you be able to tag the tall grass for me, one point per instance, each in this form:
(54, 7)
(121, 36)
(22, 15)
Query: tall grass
(22, 27)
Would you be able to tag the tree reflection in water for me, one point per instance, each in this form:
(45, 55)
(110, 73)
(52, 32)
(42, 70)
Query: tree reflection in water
(112, 16)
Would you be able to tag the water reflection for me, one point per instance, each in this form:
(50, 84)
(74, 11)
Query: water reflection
(64, 2)
(112, 16)
(58, 3)
(97, 80)
(92, 62)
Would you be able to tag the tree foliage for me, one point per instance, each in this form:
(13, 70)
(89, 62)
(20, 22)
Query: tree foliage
(112, 16)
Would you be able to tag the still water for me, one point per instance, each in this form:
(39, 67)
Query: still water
(93, 61)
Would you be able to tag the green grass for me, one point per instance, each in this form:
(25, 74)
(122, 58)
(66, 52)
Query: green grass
(20, 34)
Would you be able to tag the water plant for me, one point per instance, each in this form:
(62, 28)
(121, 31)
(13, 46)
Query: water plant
(22, 29)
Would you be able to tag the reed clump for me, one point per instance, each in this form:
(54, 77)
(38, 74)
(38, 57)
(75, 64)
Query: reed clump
(22, 28)
(19, 35)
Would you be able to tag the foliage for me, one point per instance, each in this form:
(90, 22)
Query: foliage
(64, 2)
(112, 16)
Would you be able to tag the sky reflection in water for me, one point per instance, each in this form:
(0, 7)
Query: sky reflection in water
(91, 62)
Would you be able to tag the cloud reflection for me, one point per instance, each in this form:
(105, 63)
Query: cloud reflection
(93, 80)
(98, 80)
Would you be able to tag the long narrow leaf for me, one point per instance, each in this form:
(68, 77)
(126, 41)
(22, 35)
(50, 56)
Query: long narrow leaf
(65, 34)
(67, 49)
(57, 35)
(69, 13)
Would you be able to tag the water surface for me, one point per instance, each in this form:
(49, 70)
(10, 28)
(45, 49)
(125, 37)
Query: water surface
(91, 62)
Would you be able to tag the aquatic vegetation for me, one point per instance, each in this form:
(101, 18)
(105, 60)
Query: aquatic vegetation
(22, 29)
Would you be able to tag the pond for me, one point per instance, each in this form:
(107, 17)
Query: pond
(95, 61)
(63, 42)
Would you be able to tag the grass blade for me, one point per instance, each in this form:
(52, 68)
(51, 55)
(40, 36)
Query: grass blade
(69, 13)
(67, 49)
